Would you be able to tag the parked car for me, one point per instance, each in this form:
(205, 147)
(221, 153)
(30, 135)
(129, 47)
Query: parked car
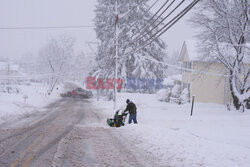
(78, 93)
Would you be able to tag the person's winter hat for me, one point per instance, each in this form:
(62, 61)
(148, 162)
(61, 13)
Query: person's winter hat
(127, 101)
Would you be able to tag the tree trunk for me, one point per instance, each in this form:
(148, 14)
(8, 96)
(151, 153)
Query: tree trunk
(236, 101)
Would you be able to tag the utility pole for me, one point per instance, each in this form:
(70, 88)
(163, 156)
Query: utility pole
(116, 53)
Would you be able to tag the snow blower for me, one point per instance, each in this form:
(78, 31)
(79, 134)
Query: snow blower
(118, 120)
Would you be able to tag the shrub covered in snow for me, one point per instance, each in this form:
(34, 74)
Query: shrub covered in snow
(184, 97)
(171, 91)
(168, 82)
(176, 90)
(171, 81)
(164, 95)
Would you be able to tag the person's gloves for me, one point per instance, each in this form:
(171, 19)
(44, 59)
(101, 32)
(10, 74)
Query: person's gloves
(124, 112)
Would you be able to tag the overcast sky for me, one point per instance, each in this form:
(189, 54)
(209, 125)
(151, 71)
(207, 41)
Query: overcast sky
(30, 13)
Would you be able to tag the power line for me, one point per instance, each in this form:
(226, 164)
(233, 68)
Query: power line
(182, 68)
(154, 16)
(142, 35)
(144, 13)
(165, 28)
(163, 12)
(145, 25)
(45, 27)
(136, 22)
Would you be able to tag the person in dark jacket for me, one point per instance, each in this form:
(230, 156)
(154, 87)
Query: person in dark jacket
(131, 108)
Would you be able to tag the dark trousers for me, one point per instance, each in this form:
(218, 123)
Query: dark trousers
(132, 117)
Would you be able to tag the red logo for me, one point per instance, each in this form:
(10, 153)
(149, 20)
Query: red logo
(100, 83)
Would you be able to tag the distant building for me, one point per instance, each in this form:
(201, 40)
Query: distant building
(7, 71)
(206, 81)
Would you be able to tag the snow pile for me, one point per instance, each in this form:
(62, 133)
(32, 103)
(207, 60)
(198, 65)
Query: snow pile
(164, 95)
(171, 91)
(184, 97)
(176, 90)
(171, 81)
(168, 82)
(212, 137)
(29, 98)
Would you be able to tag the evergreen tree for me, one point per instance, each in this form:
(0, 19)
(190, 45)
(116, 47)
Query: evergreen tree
(132, 16)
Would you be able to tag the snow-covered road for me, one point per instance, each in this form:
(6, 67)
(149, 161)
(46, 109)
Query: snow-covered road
(68, 133)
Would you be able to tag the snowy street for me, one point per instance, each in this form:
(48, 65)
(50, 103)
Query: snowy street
(67, 134)
(73, 132)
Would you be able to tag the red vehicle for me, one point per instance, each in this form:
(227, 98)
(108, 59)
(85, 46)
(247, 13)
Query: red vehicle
(78, 92)
(73, 93)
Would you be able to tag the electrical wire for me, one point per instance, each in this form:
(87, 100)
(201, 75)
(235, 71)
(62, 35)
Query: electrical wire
(164, 28)
(163, 12)
(45, 27)
(142, 35)
(136, 22)
(144, 14)
(139, 30)
(182, 68)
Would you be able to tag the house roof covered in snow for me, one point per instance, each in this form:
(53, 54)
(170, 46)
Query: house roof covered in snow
(189, 51)
(192, 50)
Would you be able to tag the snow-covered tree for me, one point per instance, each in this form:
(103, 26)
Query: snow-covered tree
(132, 16)
(82, 65)
(225, 37)
(56, 57)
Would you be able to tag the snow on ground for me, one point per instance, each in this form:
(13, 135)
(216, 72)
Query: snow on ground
(212, 137)
(15, 105)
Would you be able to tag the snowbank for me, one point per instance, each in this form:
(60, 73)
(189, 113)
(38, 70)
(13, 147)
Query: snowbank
(31, 98)
(212, 137)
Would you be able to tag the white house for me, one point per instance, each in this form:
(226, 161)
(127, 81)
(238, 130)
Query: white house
(205, 81)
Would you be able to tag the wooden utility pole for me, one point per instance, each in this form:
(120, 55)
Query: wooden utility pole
(116, 53)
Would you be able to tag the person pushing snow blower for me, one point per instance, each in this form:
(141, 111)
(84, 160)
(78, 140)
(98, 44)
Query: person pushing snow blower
(119, 119)
(131, 108)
